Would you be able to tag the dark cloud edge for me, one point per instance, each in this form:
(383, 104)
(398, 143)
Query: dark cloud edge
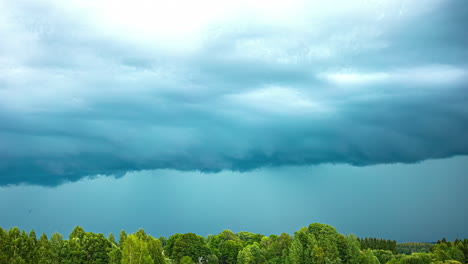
(20, 177)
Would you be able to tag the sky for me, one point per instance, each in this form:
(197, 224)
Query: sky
(262, 116)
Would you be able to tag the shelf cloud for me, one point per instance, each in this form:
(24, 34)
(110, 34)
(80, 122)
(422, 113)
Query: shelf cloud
(97, 87)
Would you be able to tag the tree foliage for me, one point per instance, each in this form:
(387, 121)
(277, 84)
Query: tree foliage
(315, 244)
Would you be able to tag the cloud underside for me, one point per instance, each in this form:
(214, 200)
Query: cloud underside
(81, 94)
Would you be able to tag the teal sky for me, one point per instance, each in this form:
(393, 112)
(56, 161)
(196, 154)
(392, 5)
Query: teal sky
(264, 116)
(417, 202)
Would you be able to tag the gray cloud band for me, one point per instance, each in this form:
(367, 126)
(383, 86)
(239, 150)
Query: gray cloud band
(74, 103)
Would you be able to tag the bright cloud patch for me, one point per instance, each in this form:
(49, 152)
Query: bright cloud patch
(424, 75)
(277, 100)
(104, 88)
(357, 78)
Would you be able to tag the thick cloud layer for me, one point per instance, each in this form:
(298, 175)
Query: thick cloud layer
(101, 88)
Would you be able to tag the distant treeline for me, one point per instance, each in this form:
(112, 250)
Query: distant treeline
(315, 244)
(413, 247)
(378, 243)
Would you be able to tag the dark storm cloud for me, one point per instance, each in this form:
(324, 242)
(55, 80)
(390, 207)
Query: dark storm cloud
(383, 84)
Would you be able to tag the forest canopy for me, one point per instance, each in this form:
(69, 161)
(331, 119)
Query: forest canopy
(315, 244)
